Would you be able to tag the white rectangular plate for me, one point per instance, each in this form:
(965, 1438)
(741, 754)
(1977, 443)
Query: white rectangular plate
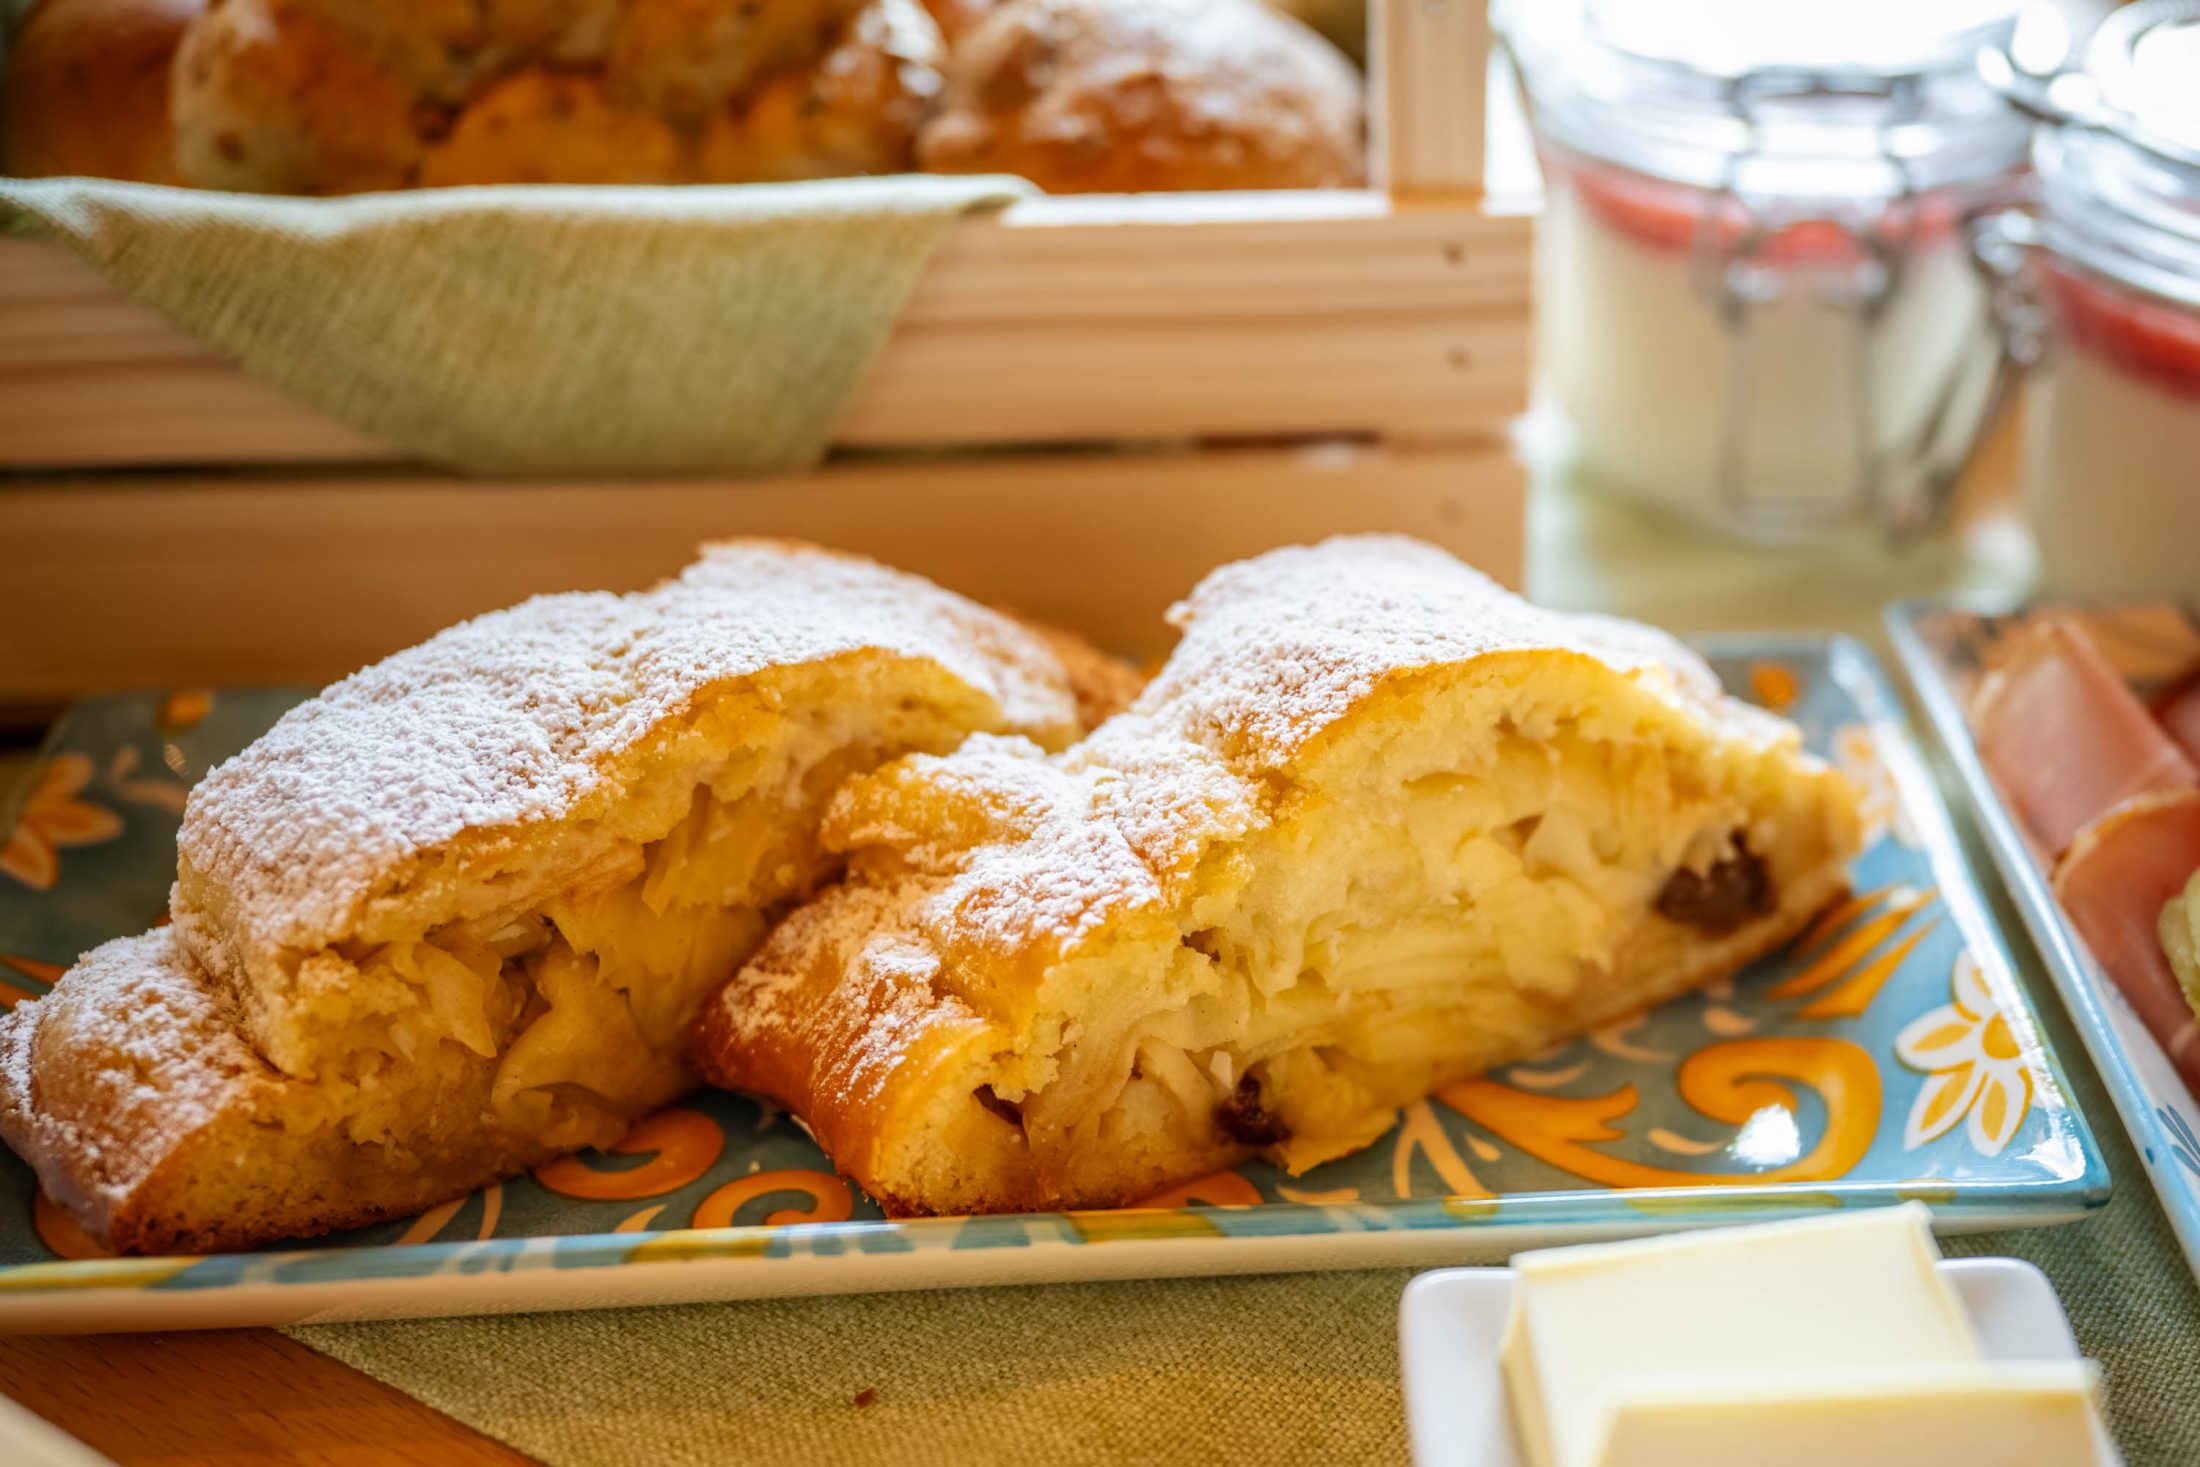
(1942, 645)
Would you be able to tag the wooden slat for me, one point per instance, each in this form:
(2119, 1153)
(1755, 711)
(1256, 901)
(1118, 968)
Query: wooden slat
(241, 1398)
(1060, 321)
(1428, 66)
(88, 376)
(110, 584)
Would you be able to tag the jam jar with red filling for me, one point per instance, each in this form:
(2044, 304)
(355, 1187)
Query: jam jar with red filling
(2108, 264)
(1756, 306)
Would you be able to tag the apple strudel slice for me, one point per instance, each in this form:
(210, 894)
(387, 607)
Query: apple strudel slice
(1377, 824)
(458, 914)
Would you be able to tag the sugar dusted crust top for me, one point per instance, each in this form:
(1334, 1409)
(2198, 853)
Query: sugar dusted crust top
(1278, 648)
(512, 718)
(86, 1114)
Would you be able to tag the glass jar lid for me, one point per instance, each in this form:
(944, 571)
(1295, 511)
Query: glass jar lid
(2144, 63)
(1854, 100)
(2119, 162)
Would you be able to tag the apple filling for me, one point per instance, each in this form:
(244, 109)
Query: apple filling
(552, 1018)
(1380, 937)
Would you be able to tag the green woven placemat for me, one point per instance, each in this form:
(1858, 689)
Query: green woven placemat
(1285, 1368)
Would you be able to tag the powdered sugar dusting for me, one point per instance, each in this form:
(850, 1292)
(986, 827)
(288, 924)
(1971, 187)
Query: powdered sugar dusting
(1085, 842)
(151, 1055)
(510, 718)
(890, 991)
(1045, 848)
(1277, 648)
(1020, 854)
(804, 944)
(902, 1001)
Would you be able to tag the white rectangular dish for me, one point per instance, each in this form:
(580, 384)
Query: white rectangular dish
(1943, 645)
(1451, 1322)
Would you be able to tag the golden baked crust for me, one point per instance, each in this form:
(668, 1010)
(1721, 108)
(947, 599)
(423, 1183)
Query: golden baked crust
(350, 96)
(1376, 824)
(458, 913)
(958, 18)
(270, 96)
(545, 126)
(1104, 684)
(86, 90)
(346, 96)
(856, 111)
(441, 51)
(1126, 96)
(687, 58)
(132, 1090)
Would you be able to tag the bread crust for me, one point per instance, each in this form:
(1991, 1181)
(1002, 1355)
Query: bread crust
(343, 96)
(86, 90)
(444, 760)
(271, 96)
(133, 1093)
(1131, 96)
(856, 111)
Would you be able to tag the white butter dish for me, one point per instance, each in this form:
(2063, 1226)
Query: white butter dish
(1452, 1321)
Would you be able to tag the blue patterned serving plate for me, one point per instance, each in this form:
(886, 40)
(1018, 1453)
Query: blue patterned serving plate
(1888, 1055)
(1943, 646)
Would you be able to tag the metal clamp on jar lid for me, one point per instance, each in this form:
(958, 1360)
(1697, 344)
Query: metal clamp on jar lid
(2119, 168)
(2104, 293)
(1813, 349)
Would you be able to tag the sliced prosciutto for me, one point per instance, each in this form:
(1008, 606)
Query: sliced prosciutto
(2178, 710)
(2065, 739)
(2113, 885)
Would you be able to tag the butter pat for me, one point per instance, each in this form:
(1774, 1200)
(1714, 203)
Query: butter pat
(1597, 1325)
(2009, 1415)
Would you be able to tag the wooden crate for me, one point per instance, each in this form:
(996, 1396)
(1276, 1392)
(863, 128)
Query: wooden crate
(1182, 327)
(1056, 321)
(118, 582)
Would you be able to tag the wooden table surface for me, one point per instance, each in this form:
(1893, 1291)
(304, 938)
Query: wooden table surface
(228, 1396)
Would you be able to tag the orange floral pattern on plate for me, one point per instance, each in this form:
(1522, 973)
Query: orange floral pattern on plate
(54, 820)
(1738, 1082)
(829, 1199)
(12, 992)
(1976, 1068)
(1222, 1189)
(681, 1144)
